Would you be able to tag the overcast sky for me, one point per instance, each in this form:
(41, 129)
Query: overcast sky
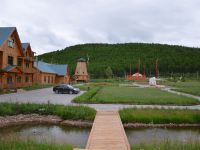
(54, 24)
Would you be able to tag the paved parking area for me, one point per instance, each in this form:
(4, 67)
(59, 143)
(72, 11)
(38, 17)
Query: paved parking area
(47, 94)
(39, 96)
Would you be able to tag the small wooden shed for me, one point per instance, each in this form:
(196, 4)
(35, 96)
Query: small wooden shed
(81, 74)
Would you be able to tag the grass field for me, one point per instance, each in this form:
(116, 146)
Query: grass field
(169, 145)
(131, 95)
(159, 116)
(31, 145)
(190, 87)
(65, 112)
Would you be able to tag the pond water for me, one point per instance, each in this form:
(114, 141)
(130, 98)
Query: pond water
(78, 136)
(149, 135)
(48, 134)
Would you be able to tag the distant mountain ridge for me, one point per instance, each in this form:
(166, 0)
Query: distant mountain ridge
(171, 58)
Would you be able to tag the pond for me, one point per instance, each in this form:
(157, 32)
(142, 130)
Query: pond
(48, 134)
(78, 136)
(149, 135)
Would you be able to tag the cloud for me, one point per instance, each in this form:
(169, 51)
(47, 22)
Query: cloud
(51, 24)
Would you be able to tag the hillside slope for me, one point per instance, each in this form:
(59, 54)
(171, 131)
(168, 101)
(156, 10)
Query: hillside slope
(176, 59)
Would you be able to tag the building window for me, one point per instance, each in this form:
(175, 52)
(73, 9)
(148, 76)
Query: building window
(9, 80)
(11, 43)
(19, 62)
(51, 79)
(48, 79)
(26, 79)
(27, 65)
(19, 79)
(10, 60)
(44, 79)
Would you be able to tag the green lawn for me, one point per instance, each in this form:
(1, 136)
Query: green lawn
(159, 116)
(31, 145)
(191, 87)
(133, 95)
(65, 112)
(168, 145)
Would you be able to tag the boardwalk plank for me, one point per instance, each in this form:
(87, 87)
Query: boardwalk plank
(107, 133)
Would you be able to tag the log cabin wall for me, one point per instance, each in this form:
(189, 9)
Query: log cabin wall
(16, 69)
(17, 64)
(47, 78)
(47, 73)
(43, 78)
(14, 52)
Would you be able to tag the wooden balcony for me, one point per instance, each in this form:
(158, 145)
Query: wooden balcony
(26, 58)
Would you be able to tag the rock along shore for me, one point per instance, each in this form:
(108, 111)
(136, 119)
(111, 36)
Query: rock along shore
(20, 119)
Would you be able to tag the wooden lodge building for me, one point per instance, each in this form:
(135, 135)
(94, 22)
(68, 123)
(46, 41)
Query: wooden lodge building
(51, 73)
(16, 60)
(18, 67)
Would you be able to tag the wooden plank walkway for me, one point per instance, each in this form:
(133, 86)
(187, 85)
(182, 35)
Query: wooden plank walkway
(107, 133)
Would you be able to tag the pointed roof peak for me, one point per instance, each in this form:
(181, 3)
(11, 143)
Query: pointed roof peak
(25, 46)
(5, 32)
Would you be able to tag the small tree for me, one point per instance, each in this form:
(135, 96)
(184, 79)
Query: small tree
(108, 72)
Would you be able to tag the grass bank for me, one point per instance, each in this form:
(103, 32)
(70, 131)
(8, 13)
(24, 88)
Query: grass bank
(133, 95)
(168, 145)
(65, 112)
(84, 98)
(159, 116)
(31, 145)
(190, 87)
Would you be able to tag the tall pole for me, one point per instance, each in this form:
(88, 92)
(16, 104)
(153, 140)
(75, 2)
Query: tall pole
(144, 73)
(157, 71)
(139, 65)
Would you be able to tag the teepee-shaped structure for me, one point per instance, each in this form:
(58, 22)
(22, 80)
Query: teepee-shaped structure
(81, 74)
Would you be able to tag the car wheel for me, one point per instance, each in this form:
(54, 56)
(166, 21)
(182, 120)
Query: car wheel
(57, 92)
(70, 92)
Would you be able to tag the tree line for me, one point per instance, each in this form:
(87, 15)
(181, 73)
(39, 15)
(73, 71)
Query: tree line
(121, 58)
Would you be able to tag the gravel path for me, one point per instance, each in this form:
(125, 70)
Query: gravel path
(121, 106)
(39, 96)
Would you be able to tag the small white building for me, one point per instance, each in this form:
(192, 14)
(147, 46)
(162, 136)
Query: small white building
(152, 81)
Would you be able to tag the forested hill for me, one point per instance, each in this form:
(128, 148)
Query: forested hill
(119, 57)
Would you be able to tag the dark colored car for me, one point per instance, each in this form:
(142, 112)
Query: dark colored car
(65, 88)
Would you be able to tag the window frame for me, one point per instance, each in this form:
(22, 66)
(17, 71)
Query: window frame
(19, 60)
(11, 43)
(8, 61)
(26, 79)
(9, 80)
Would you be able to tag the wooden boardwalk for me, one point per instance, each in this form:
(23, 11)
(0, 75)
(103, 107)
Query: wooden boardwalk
(107, 133)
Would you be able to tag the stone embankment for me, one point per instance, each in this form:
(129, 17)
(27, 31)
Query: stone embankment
(20, 119)
(41, 119)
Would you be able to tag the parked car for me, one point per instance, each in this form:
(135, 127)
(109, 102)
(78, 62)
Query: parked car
(65, 88)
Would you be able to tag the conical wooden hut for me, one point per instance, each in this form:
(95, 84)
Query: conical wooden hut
(81, 74)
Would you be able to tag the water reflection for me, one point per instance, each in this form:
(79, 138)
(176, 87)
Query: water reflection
(78, 136)
(48, 133)
(149, 135)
